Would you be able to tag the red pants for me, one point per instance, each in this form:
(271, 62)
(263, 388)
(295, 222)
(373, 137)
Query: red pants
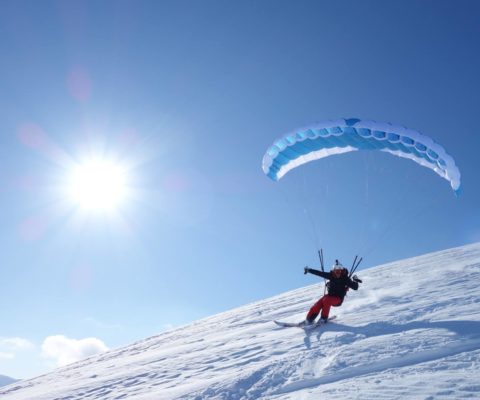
(323, 305)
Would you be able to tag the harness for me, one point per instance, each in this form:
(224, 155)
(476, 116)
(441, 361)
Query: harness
(346, 288)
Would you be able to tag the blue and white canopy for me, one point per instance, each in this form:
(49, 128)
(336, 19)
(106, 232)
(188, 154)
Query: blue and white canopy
(345, 135)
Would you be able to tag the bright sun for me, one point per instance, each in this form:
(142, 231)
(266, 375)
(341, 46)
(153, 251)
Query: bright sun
(98, 185)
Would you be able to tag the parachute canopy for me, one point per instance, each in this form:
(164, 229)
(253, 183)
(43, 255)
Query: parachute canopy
(345, 135)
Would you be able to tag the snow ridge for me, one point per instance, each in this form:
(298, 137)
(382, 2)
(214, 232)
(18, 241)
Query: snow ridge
(412, 330)
(6, 380)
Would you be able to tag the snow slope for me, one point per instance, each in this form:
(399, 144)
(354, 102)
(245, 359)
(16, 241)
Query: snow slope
(6, 380)
(411, 331)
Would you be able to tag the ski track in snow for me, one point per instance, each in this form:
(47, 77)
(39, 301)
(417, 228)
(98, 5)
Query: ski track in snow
(411, 331)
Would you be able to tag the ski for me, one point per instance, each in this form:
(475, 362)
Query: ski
(302, 324)
(290, 324)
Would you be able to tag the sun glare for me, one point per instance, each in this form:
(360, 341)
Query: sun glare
(98, 185)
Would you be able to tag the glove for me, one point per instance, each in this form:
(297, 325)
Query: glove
(305, 270)
(356, 279)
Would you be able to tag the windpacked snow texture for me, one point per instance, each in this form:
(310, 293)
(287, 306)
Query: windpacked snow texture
(411, 331)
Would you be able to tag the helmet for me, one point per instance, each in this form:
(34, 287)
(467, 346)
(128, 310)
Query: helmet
(337, 265)
(337, 269)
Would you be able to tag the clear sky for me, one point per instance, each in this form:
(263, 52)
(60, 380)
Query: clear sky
(175, 102)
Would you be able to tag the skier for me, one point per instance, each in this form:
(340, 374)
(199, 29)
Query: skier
(338, 284)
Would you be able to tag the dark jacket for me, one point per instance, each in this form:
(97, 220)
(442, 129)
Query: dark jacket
(336, 286)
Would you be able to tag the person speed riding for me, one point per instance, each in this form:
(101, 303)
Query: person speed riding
(338, 284)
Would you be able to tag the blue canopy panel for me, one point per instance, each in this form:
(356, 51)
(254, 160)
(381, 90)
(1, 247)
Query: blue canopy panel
(345, 135)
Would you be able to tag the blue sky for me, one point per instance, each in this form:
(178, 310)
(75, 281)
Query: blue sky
(186, 97)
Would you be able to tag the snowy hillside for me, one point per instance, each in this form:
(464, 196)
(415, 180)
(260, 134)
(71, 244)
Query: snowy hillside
(6, 380)
(411, 331)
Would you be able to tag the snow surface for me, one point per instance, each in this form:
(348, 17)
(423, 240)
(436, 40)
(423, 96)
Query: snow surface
(412, 331)
(6, 380)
